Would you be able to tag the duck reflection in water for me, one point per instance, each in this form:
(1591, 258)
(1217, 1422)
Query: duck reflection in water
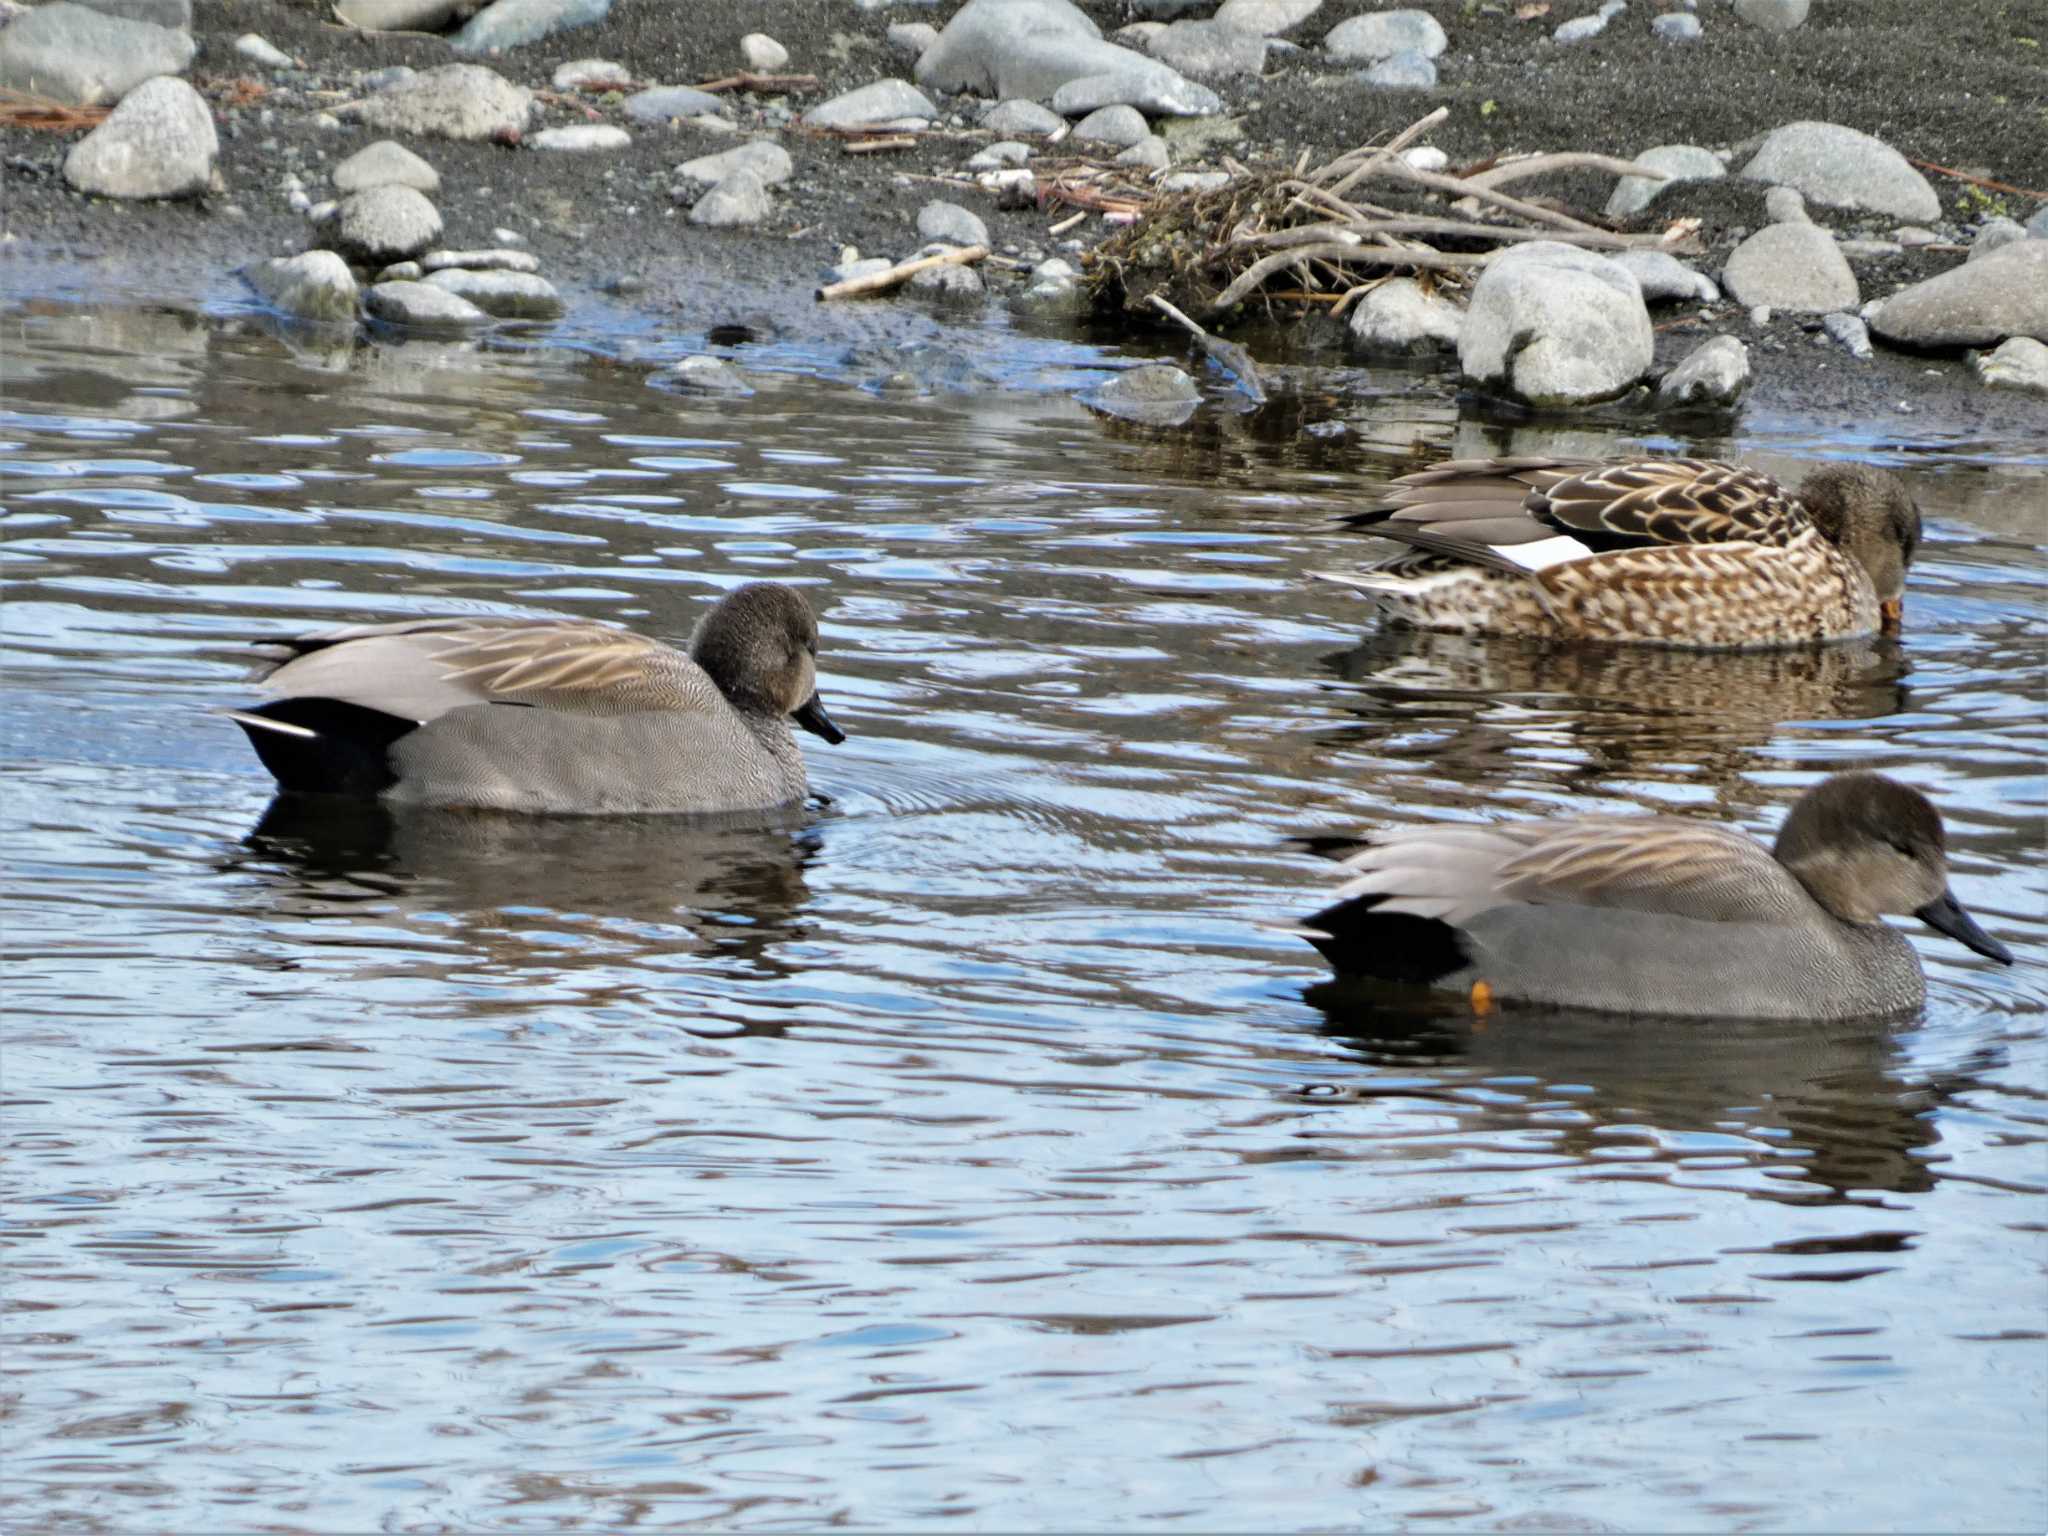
(732, 885)
(1818, 1112)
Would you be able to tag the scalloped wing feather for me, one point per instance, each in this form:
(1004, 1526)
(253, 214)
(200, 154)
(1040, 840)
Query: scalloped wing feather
(1675, 501)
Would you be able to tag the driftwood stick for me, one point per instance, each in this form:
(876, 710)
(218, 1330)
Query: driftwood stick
(1542, 165)
(1227, 355)
(1391, 148)
(1515, 205)
(1598, 239)
(1067, 223)
(1345, 255)
(746, 81)
(870, 146)
(903, 271)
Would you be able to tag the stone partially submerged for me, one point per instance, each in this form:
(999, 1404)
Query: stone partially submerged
(1156, 394)
(1553, 325)
(1713, 377)
(316, 285)
(1401, 316)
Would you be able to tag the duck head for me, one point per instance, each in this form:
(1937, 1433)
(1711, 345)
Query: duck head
(1863, 844)
(1871, 517)
(760, 646)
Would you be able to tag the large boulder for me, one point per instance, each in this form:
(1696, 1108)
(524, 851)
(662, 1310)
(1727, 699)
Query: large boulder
(1977, 304)
(454, 101)
(1382, 34)
(1839, 167)
(1795, 267)
(313, 286)
(1031, 48)
(1553, 325)
(75, 55)
(1208, 50)
(159, 142)
(879, 102)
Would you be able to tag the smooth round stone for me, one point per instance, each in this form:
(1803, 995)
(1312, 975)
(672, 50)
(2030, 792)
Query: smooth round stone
(583, 138)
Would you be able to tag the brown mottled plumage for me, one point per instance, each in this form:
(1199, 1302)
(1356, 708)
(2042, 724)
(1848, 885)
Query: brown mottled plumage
(1678, 552)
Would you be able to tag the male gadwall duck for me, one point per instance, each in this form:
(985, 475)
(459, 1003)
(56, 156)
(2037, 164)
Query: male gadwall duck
(1679, 552)
(550, 715)
(1655, 914)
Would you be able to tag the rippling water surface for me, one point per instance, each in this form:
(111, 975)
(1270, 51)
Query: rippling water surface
(959, 1148)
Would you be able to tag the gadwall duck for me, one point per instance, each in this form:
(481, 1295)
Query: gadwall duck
(550, 715)
(1658, 915)
(1679, 552)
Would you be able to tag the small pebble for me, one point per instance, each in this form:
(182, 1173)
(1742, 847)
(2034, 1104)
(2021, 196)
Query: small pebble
(762, 52)
(250, 46)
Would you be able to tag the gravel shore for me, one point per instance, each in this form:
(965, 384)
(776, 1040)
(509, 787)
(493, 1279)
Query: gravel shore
(1959, 85)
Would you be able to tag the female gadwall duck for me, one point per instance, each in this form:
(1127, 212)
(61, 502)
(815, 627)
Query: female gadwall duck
(1654, 914)
(1680, 552)
(551, 715)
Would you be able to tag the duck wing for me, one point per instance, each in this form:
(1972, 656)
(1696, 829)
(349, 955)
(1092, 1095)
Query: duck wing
(1638, 863)
(1527, 514)
(419, 670)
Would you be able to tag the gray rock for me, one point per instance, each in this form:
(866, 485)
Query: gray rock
(1667, 280)
(1838, 167)
(159, 142)
(1551, 325)
(706, 375)
(592, 75)
(158, 13)
(515, 23)
(1712, 377)
(452, 101)
(1192, 138)
(1208, 50)
(1772, 15)
(383, 224)
(313, 286)
(385, 78)
(1760, 315)
(1676, 27)
(387, 163)
(1784, 205)
(1195, 181)
(2037, 226)
(507, 295)
(954, 285)
(883, 101)
(1977, 304)
(1911, 237)
(762, 52)
(739, 200)
(581, 138)
(422, 307)
(1054, 292)
(1792, 267)
(1021, 117)
(1401, 316)
(2021, 363)
(1996, 235)
(70, 54)
(1382, 34)
(259, 50)
(1149, 152)
(1268, 18)
(666, 103)
(1679, 162)
(1849, 332)
(1119, 125)
(397, 15)
(852, 267)
(911, 38)
(768, 160)
(1403, 72)
(1137, 35)
(1427, 157)
(1037, 48)
(1580, 29)
(1157, 394)
(951, 223)
(999, 154)
(480, 261)
(1150, 87)
(398, 271)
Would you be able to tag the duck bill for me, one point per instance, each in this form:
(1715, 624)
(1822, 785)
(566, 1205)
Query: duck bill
(812, 717)
(1891, 616)
(1947, 916)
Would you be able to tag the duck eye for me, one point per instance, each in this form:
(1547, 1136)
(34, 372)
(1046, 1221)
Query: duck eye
(1903, 849)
